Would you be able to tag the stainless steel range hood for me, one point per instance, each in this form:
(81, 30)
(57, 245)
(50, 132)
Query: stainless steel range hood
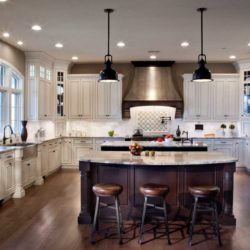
(152, 85)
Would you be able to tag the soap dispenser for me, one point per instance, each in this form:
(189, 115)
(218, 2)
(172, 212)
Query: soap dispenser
(178, 132)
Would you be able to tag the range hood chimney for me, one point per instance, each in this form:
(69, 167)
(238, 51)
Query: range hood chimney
(152, 85)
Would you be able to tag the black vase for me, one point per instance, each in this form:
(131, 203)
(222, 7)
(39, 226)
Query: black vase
(24, 132)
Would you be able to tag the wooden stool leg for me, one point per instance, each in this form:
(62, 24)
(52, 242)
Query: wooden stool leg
(166, 221)
(93, 240)
(118, 218)
(193, 221)
(143, 220)
(217, 222)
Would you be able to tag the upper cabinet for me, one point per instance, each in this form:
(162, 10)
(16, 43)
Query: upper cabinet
(108, 100)
(80, 96)
(39, 85)
(89, 99)
(197, 100)
(217, 100)
(226, 98)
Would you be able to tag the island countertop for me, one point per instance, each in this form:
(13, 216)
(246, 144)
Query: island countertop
(154, 145)
(160, 158)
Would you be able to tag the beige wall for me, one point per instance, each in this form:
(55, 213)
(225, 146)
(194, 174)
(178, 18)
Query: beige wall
(12, 55)
(127, 69)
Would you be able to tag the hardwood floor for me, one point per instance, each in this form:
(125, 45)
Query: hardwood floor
(47, 219)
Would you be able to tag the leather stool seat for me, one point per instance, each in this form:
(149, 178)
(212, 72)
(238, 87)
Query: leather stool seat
(154, 190)
(204, 191)
(107, 189)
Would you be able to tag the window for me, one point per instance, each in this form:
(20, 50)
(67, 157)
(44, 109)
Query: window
(32, 70)
(2, 75)
(11, 98)
(48, 74)
(42, 72)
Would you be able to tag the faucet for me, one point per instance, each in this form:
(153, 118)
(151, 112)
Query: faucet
(165, 119)
(186, 139)
(11, 133)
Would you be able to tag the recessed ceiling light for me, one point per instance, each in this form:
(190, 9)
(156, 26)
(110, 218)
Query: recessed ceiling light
(3, 1)
(20, 43)
(6, 34)
(152, 57)
(120, 44)
(248, 44)
(184, 44)
(74, 58)
(59, 45)
(232, 57)
(36, 27)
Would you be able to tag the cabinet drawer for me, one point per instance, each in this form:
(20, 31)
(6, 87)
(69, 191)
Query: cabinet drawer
(224, 142)
(8, 156)
(83, 140)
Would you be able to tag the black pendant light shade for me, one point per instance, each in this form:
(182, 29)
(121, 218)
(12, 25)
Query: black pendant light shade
(202, 74)
(108, 74)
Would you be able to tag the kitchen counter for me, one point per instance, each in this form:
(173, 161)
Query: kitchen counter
(153, 145)
(178, 170)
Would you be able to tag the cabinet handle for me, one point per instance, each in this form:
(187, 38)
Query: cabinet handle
(45, 115)
(28, 164)
(54, 151)
(9, 156)
(82, 141)
(197, 115)
(223, 142)
(10, 163)
(44, 145)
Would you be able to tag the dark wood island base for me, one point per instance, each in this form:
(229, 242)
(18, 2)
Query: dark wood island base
(134, 172)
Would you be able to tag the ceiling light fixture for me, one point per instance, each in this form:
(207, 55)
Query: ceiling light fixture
(108, 74)
(59, 45)
(152, 57)
(248, 44)
(36, 27)
(3, 1)
(202, 74)
(20, 43)
(74, 58)
(120, 44)
(184, 44)
(6, 34)
(232, 57)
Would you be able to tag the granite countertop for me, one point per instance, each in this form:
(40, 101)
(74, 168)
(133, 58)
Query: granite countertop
(151, 144)
(4, 149)
(160, 158)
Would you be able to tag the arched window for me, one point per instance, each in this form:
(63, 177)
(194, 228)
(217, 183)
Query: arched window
(11, 97)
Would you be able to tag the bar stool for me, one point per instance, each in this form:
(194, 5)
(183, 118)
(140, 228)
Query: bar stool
(152, 190)
(207, 194)
(107, 190)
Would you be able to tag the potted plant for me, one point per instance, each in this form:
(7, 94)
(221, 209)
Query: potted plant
(232, 127)
(223, 126)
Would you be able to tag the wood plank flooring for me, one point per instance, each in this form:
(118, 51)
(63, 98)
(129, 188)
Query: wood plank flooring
(47, 219)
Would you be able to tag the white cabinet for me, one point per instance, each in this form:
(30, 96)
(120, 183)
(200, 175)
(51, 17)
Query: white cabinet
(39, 87)
(81, 146)
(44, 100)
(108, 100)
(44, 158)
(53, 156)
(226, 98)
(197, 100)
(247, 154)
(217, 100)
(8, 174)
(80, 97)
(225, 146)
(239, 152)
(66, 151)
(28, 171)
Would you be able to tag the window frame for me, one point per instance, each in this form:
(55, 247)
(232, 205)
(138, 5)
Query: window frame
(8, 90)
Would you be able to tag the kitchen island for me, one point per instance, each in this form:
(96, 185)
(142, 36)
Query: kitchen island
(178, 170)
(154, 145)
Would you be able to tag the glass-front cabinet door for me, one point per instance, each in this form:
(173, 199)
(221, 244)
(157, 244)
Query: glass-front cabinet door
(246, 97)
(60, 94)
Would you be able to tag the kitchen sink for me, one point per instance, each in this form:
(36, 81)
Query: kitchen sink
(29, 148)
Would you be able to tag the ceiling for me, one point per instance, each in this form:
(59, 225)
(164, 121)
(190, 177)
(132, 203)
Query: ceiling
(144, 25)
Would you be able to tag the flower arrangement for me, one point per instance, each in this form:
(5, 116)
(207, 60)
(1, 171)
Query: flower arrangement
(135, 148)
(232, 126)
(223, 126)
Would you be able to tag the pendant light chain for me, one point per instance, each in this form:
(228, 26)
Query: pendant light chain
(108, 30)
(202, 31)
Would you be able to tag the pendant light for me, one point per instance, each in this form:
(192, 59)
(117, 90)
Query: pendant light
(202, 74)
(108, 74)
